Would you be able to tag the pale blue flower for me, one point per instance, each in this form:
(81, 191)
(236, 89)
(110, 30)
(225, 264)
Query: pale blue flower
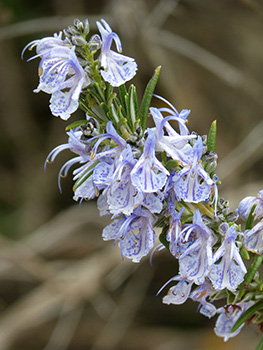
(111, 133)
(122, 197)
(148, 174)
(60, 75)
(253, 239)
(174, 144)
(196, 258)
(192, 183)
(86, 190)
(74, 145)
(45, 45)
(95, 154)
(230, 271)
(117, 68)
(135, 234)
(64, 101)
(181, 118)
(229, 314)
(179, 293)
(247, 203)
(200, 294)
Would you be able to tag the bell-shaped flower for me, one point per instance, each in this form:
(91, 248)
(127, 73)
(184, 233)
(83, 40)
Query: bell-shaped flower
(247, 203)
(192, 183)
(117, 68)
(135, 234)
(195, 258)
(148, 174)
(179, 293)
(253, 239)
(228, 315)
(230, 271)
(174, 144)
(200, 294)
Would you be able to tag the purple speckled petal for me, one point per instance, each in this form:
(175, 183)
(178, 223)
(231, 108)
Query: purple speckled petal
(137, 246)
(62, 104)
(195, 267)
(226, 274)
(152, 203)
(112, 231)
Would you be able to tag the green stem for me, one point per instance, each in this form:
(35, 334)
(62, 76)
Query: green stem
(250, 274)
(204, 210)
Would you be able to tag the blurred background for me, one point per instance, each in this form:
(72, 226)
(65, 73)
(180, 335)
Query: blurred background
(61, 286)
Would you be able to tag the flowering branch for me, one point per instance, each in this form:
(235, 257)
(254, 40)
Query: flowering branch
(148, 177)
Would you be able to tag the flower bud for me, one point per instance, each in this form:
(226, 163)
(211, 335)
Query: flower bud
(226, 211)
(94, 43)
(232, 217)
(78, 40)
(211, 167)
(85, 27)
(72, 30)
(209, 157)
(78, 24)
(204, 139)
(222, 228)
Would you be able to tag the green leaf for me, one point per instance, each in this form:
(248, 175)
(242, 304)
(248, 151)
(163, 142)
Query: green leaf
(108, 91)
(251, 218)
(94, 93)
(133, 107)
(104, 108)
(125, 109)
(260, 344)
(123, 93)
(248, 313)
(250, 274)
(147, 97)
(211, 138)
(76, 124)
(112, 114)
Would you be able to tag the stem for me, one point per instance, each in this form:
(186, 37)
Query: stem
(250, 274)
(204, 210)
